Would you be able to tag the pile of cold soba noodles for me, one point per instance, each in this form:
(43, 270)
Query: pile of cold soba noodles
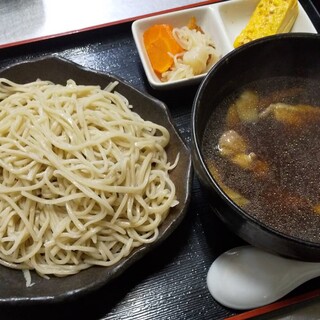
(83, 179)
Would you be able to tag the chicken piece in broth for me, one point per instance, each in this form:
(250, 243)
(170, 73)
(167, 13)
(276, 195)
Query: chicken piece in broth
(235, 148)
(293, 115)
(244, 109)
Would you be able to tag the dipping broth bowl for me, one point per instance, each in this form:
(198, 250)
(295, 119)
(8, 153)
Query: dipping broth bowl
(287, 55)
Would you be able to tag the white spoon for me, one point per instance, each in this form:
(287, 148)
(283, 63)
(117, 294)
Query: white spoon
(247, 277)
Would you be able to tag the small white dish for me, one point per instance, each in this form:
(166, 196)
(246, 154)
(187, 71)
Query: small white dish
(206, 19)
(223, 21)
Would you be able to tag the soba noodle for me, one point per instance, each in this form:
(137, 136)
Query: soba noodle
(83, 179)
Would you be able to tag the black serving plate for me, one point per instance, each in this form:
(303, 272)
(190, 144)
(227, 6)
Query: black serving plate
(13, 288)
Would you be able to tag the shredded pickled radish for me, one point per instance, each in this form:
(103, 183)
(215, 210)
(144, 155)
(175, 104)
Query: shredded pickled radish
(198, 56)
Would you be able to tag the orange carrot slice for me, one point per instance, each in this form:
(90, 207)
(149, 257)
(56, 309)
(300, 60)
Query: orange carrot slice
(158, 41)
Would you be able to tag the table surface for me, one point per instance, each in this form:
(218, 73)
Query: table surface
(169, 282)
(40, 16)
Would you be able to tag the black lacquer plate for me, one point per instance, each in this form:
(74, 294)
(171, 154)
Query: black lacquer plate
(13, 288)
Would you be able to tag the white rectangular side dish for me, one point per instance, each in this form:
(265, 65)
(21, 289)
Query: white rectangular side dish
(223, 21)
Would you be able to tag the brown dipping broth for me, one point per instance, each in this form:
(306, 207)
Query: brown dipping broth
(284, 198)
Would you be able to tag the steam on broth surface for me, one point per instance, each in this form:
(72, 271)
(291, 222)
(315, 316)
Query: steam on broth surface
(262, 145)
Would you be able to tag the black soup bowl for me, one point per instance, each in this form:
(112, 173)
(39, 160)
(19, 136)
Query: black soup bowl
(280, 57)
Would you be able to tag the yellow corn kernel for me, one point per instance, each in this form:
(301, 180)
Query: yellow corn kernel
(269, 17)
